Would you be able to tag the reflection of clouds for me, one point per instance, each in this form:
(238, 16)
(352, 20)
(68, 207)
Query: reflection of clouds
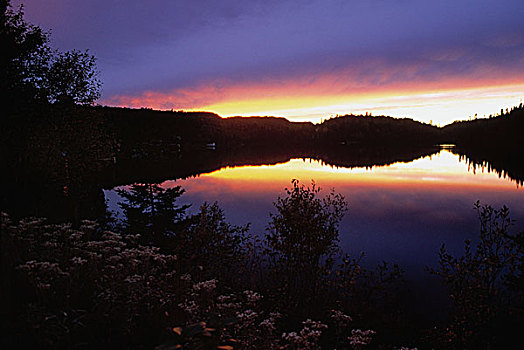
(403, 221)
(442, 169)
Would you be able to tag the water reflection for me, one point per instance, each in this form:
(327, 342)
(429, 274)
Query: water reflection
(400, 213)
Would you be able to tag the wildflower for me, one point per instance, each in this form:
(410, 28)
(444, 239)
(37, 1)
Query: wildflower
(134, 279)
(360, 337)
(224, 298)
(78, 260)
(189, 306)
(340, 317)
(206, 286)
(268, 324)
(252, 297)
(185, 277)
(308, 336)
(247, 317)
(292, 337)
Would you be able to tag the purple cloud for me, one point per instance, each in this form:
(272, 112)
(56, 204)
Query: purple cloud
(172, 45)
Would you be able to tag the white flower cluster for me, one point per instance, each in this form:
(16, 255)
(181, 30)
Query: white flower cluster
(224, 298)
(247, 317)
(252, 297)
(78, 260)
(268, 324)
(308, 336)
(57, 255)
(360, 338)
(205, 286)
(228, 302)
(43, 274)
(340, 318)
(190, 307)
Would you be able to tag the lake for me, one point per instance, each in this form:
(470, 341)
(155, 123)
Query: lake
(400, 213)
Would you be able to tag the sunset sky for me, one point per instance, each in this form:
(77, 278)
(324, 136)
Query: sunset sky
(305, 60)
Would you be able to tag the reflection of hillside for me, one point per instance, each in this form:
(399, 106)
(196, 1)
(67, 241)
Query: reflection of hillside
(504, 164)
(494, 144)
(189, 164)
(63, 157)
(196, 163)
(350, 157)
(38, 192)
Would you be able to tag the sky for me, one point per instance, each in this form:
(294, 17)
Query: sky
(433, 61)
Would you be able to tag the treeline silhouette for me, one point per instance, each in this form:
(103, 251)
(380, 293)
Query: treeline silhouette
(503, 131)
(69, 154)
(149, 133)
(157, 134)
(493, 144)
(53, 139)
(72, 151)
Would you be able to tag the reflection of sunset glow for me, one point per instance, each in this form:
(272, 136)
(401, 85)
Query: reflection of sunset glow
(440, 171)
(400, 212)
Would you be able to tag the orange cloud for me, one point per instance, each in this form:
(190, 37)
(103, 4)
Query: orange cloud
(348, 90)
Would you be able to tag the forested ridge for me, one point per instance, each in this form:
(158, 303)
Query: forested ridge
(74, 276)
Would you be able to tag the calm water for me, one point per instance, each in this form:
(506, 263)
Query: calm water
(401, 213)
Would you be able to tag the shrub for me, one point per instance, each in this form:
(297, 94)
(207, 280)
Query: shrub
(481, 283)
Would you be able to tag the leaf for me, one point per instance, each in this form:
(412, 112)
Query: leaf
(229, 321)
(193, 330)
(170, 346)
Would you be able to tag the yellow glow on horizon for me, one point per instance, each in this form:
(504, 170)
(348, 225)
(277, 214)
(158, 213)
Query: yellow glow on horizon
(314, 97)
(437, 107)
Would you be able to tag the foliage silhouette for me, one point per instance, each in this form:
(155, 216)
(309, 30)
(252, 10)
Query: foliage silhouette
(72, 78)
(30, 72)
(206, 244)
(305, 228)
(210, 247)
(152, 211)
(302, 241)
(25, 53)
(485, 285)
(64, 285)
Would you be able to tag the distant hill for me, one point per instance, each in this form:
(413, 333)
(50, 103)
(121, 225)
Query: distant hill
(50, 133)
(377, 131)
(146, 133)
(139, 129)
(505, 131)
(70, 152)
(495, 143)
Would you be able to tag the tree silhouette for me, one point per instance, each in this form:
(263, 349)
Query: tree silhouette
(151, 211)
(485, 283)
(305, 227)
(72, 78)
(30, 71)
(25, 55)
(302, 241)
